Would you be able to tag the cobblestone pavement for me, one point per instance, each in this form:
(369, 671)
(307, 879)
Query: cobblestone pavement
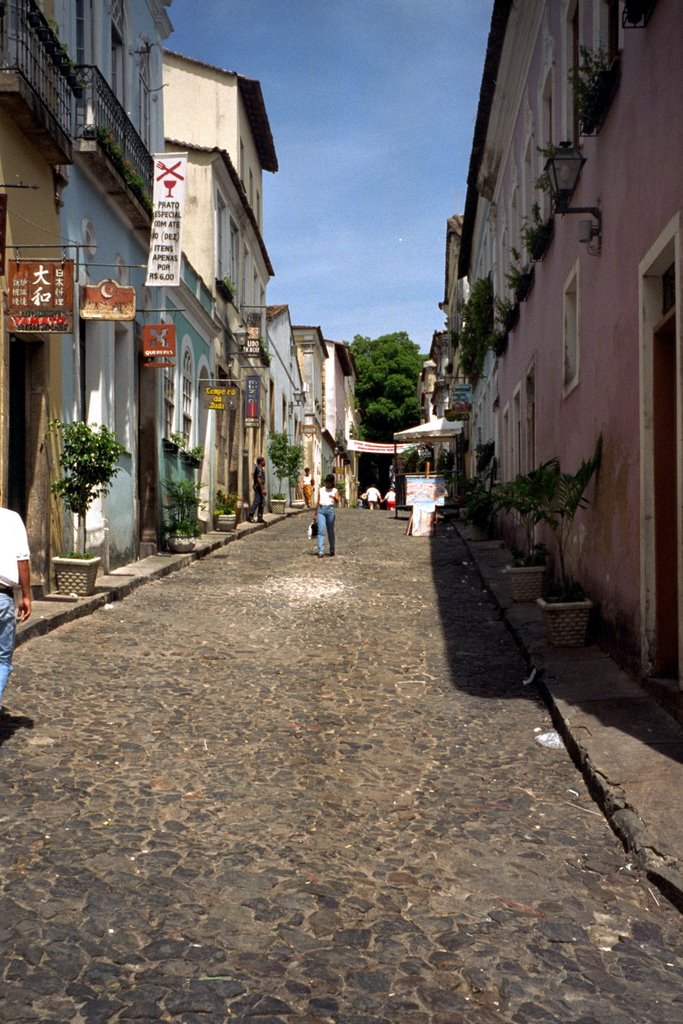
(275, 788)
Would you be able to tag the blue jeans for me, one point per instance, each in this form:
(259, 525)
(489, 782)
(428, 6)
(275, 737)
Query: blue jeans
(325, 525)
(8, 631)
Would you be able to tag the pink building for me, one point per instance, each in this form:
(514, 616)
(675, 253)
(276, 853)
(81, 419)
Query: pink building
(597, 347)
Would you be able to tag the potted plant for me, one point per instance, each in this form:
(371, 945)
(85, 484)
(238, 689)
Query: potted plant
(88, 462)
(566, 613)
(182, 501)
(637, 12)
(537, 234)
(594, 82)
(225, 510)
(477, 334)
(520, 277)
(226, 287)
(526, 498)
(480, 504)
(287, 460)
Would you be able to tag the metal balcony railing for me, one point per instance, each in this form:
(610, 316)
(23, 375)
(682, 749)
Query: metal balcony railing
(100, 116)
(30, 49)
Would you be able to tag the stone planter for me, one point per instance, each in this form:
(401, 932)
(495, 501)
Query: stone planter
(278, 506)
(299, 503)
(226, 522)
(180, 545)
(526, 581)
(566, 622)
(76, 575)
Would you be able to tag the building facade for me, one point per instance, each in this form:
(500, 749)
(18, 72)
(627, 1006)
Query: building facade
(588, 338)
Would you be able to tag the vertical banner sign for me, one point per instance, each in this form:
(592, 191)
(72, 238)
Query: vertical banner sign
(3, 231)
(41, 296)
(165, 247)
(252, 394)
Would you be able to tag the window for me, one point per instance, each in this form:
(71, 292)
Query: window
(117, 54)
(571, 331)
(531, 419)
(188, 394)
(144, 110)
(234, 252)
(243, 276)
(169, 400)
(123, 378)
(517, 433)
(222, 263)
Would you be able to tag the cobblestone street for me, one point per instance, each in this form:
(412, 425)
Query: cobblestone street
(278, 788)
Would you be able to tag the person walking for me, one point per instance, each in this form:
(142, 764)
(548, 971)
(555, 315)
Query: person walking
(258, 504)
(14, 572)
(307, 487)
(373, 497)
(328, 498)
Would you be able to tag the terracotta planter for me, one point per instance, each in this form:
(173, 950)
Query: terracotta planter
(566, 622)
(180, 545)
(76, 575)
(526, 581)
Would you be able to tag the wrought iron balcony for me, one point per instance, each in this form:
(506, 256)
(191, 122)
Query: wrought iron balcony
(108, 139)
(34, 89)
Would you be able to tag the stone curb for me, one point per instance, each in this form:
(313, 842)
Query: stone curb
(525, 625)
(51, 612)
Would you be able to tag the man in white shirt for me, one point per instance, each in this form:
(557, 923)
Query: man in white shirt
(14, 572)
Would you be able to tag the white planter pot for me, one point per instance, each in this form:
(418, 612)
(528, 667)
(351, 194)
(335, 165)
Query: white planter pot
(526, 581)
(278, 506)
(76, 575)
(180, 545)
(226, 522)
(566, 622)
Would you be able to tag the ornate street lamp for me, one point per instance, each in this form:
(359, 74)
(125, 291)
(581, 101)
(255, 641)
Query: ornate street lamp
(563, 169)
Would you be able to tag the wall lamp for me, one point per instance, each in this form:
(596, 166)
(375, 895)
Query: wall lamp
(563, 169)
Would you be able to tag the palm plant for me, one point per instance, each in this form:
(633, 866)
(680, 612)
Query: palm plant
(527, 498)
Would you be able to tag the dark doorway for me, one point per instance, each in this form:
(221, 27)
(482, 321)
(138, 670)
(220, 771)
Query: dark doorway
(667, 538)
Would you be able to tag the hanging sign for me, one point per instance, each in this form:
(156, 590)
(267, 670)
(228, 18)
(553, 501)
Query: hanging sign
(461, 398)
(252, 395)
(163, 265)
(107, 300)
(3, 231)
(41, 296)
(158, 343)
(254, 319)
(220, 396)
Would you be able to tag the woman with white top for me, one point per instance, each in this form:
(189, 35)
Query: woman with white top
(328, 497)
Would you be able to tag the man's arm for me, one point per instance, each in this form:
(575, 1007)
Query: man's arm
(24, 603)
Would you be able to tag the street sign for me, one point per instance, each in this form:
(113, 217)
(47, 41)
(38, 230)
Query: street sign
(107, 300)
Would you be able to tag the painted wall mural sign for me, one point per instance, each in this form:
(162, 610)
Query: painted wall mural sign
(252, 396)
(165, 246)
(40, 296)
(107, 300)
(158, 345)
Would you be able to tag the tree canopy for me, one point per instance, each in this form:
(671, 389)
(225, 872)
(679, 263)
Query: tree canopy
(386, 386)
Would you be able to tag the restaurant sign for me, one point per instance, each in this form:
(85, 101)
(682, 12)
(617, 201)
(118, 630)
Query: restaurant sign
(254, 319)
(40, 296)
(158, 345)
(220, 395)
(107, 300)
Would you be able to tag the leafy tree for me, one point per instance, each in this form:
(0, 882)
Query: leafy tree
(386, 386)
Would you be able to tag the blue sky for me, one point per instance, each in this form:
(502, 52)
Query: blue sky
(372, 106)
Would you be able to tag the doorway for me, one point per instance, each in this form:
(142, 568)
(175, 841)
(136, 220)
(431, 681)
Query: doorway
(665, 486)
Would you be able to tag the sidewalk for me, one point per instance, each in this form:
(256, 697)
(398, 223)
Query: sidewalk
(628, 748)
(53, 611)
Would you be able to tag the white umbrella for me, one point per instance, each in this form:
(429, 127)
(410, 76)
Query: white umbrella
(438, 430)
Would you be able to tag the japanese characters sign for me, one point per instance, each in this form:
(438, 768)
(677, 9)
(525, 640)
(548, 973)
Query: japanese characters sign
(158, 345)
(252, 396)
(219, 396)
(163, 266)
(41, 296)
(107, 300)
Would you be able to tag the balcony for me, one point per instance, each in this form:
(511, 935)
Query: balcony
(34, 90)
(109, 144)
